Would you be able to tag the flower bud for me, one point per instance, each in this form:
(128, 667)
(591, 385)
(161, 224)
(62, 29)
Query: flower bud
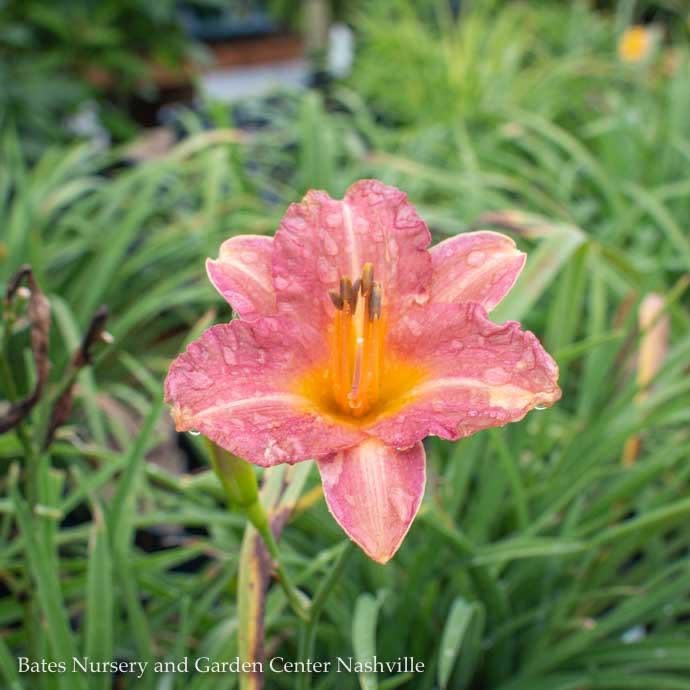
(236, 475)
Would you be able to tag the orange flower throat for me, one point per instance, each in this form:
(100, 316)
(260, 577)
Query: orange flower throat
(357, 383)
(357, 348)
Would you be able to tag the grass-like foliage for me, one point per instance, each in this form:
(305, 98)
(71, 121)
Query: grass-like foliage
(552, 554)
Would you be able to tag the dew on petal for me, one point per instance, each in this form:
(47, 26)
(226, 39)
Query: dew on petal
(281, 283)
(401, 502)
(475, 258)
(274, 453)
(326, 270)
(406, 217)
(333, 220)
(198, 380)
(194, 432)
(361, 226)
(229, 356)
(415, 326)
(527, 361)
(496, 376)
(330, 246)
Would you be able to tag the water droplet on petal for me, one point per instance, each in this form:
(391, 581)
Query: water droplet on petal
(333, 220)
(326, 270)
(496, 376)
(475, 258)
(229, 356)
(415, 327)
(540, 407)
(330, 246)
(194, 432)
(297, 223)
(401, 501)
(421, 297)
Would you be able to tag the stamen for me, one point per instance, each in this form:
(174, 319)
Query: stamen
(336, 299)
(367, 278)
(346, 290)
(375, 354)
(358, 347)
(355, 294)
(375, 302)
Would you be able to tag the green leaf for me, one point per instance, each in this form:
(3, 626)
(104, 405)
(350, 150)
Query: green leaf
(99, 598)
(452, 638)
(364, 637)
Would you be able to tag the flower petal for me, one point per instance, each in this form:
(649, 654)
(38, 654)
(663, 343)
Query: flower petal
(321, 239)
(479, 374)
(234, 385)
(475, 267)
(374, 492)
(242, 275)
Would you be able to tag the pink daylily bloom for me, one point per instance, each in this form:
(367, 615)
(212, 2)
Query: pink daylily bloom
(354, 342)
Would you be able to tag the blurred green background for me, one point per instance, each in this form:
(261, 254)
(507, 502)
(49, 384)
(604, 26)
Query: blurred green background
(552, 554)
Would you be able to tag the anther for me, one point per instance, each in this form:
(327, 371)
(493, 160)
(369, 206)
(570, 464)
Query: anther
(336, 299)
(346, 290)
(355, 294)
(367, 278)
(375, 302)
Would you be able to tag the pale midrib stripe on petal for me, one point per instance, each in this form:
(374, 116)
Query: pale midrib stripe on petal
(374, 477)
(504, 395)
(290, 399)
(453, 289)
(352, 240)
(245, 270)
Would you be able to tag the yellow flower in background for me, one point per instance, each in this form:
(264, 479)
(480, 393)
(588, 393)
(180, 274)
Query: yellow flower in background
(636, 43)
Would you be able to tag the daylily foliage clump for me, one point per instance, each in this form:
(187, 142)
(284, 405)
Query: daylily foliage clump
(354, 342)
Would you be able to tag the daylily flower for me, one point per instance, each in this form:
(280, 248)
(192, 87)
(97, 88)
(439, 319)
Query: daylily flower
(354, 342)
(637, 42)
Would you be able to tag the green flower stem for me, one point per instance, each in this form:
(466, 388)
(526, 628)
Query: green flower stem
(298, 601)
(32, 467)
(307, 636)
(8, 383)
(241, 488)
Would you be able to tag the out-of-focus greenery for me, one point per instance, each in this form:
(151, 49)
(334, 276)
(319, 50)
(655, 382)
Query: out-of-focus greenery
(539, 560)
(55, 54)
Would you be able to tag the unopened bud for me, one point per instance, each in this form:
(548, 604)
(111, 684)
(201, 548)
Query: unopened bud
(236, 475)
